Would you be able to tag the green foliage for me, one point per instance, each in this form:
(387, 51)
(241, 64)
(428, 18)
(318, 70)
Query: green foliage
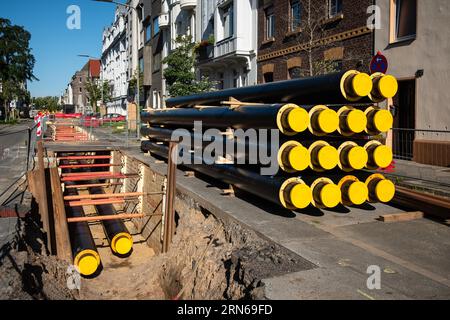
(46, 103)
(95, 89)
(179, 74)
(16, 62)
(322, 67)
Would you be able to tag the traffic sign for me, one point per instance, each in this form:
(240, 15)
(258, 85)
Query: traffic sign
(379, 63)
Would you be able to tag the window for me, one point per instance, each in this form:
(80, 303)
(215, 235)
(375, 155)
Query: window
(141, 64)
(220, 82)
(268, 77)
(295, 15)
(148, 32)
(81, 79)
(81, 90)
(295, 73)
(270, 23)
(228, 21)
(236, 83)
(405, 19)
(334, 7)
(155, 26)
(157, 62)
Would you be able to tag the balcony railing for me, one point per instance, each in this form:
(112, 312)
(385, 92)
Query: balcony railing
(225, 47)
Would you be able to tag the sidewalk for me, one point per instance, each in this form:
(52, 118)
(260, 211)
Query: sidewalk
(422, 177)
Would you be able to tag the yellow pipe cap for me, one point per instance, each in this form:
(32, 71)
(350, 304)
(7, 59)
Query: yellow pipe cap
(356, 121)
(330, 195)
(387, 86)
(300, 196)
(299, 158)
(358, 193)
(357, 158)
(385, 190)
(328, 157)
(328, 121)
(383, 120)
(122, 243)
(382, 156)
(362, 84)
(87, 262)
(298, 119)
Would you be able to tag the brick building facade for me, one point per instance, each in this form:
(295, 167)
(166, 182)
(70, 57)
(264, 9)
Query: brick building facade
(297, 37)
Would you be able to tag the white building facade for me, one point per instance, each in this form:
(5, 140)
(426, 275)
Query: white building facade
(115, 62)
(230, 29)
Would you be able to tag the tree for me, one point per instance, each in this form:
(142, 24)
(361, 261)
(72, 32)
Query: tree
(179, 74)
(16, 61)
(97, 91)
(46, 103)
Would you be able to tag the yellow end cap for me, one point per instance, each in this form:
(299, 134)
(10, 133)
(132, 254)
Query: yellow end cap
(385, 190)
(387, 86)
(382, 156)
(357, 158)
(299, 158)
(122, 244)
(328, 120)
(87, 263)
(362, 84)
(383, 120)
(298, 119)
(356, 121)
(330, 195)
(328, 157)
(358, 193)
(300, 196)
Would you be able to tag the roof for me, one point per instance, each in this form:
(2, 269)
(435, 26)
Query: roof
(94, 68)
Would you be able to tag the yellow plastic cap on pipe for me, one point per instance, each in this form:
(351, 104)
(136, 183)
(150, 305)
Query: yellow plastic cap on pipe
(87, 262)
(358, 193)
(382, 156)
(298, 119)
(362, 84)
(357, 158)
(330, 195)
(387, 86)
(383, 120)
(385, 190)
(328, 157)
(356, 121)
(122, 243)
(328, 121)
(300, 196)
(299, 158)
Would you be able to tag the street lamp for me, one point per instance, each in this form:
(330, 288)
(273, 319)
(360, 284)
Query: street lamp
(138, 116)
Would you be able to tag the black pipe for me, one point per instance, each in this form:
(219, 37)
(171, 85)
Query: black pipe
(117, 233)
(318, 89)
(261, 116)
(84, 250)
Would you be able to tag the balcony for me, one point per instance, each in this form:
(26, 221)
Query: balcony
(225, 47)
(188, 4)
(163, 20)
(205, 53)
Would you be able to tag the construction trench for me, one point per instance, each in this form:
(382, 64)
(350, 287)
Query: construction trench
(137, 226)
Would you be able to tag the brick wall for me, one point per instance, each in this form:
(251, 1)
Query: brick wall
(346, 38)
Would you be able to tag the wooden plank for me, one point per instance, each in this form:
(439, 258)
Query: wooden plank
(402, 216)
(43, 203)
(98, 177)
(63, 247)
(83, 157)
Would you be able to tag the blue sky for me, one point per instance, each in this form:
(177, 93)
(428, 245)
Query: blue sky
(55, 47)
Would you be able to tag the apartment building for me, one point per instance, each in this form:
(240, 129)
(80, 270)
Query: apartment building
(89, 72)
(228, 28)
(299, 38)
(115, 62)
(415, 37)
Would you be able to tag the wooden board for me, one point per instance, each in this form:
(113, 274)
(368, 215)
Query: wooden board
(403, 216)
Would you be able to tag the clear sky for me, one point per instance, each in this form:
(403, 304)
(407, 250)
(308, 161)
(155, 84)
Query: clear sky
(56, 47)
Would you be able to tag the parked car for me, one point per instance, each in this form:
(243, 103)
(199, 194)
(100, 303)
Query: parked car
(113, 117)
(91, 120)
